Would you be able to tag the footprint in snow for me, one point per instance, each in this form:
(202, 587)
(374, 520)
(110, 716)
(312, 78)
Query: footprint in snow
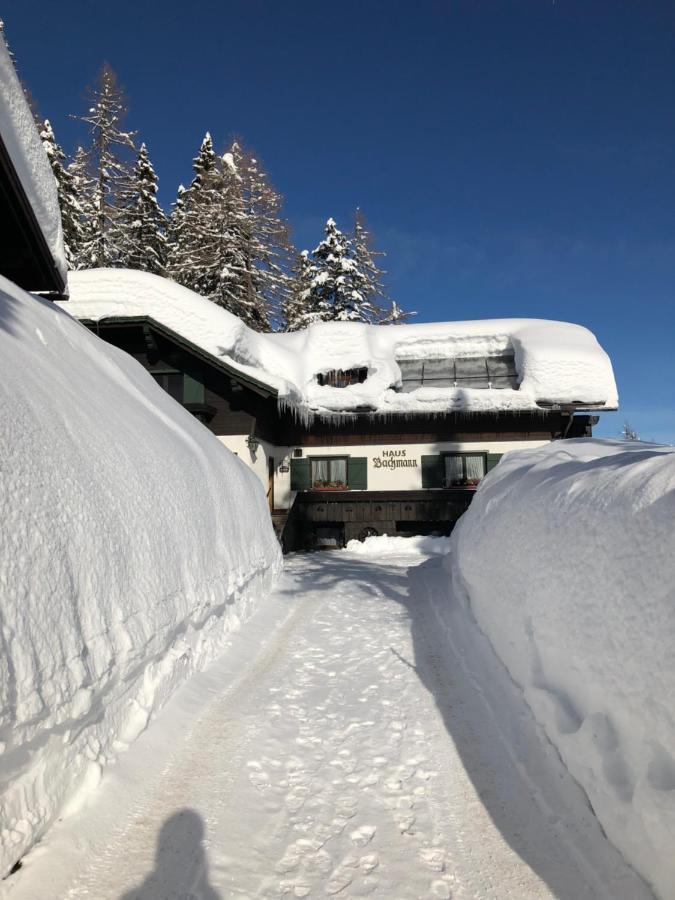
(363, 835)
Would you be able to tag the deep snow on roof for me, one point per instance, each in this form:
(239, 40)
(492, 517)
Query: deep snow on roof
(557, 363)
(24, 146)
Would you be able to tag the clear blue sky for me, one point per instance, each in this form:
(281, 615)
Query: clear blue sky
(513, 158)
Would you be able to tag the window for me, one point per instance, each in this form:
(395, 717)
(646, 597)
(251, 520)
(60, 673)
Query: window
(502, 371)
(329, 474)
(339, 378)
(184, 387)
(464, 469)
(484, 372)
(171, 381)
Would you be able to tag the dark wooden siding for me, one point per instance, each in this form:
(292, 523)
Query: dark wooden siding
(386, 512)
(238, 409)
(479, 427)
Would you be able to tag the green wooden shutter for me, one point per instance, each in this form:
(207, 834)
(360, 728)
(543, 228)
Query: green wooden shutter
(433, 471)
(193, 390)
(300, 475)
(357, 473)
(492, 460)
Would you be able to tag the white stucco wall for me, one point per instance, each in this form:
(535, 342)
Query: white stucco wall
(257, 461)
(381, 477)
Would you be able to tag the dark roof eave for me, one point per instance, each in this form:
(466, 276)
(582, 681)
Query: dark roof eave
(42, 274)
(258, 386)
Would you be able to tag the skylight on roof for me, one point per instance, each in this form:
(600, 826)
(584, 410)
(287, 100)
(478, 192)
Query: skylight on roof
(484, 372)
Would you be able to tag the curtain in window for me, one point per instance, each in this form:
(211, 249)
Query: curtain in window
(454, 470)
(339, 470)
(475, 466)
(319, 470)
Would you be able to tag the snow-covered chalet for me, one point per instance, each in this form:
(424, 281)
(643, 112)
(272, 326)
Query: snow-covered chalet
(356, 429)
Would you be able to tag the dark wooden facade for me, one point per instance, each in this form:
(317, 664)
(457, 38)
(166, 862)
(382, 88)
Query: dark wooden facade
(346, 516)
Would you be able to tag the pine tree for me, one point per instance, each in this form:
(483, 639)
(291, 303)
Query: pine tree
(84, 187)
(227, 240)
(338, 288)
(365, 256)
(297, 312)
(233, 284)
(628, 433)
(264, 236)
(143, 223)
(110, 169)
(195, 229)
(70, 203)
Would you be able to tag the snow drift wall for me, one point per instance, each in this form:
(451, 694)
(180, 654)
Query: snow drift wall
(567, 557)
(131, 542)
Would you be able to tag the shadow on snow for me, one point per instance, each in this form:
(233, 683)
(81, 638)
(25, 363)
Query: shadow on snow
(181, 868)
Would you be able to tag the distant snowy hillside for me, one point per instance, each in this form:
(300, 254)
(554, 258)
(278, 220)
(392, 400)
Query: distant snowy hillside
(132, 541)
(567, 557)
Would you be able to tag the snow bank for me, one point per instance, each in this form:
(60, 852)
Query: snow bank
(29, 159)
(557, 363)
(132, 541)
(567, 557)
(382, 545)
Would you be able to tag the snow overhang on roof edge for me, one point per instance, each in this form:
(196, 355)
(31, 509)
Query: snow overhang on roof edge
(559, 365)
(30, 187)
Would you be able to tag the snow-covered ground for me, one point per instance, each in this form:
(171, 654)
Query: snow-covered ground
(358, 737)
(567, 558)
(131, 542)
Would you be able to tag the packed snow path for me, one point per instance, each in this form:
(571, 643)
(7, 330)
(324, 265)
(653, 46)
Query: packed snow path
(353, 754)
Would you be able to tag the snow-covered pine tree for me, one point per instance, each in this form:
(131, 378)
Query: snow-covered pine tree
(338, 288)
(84, 187)
(365, 256)
(190, 232)
(110, 167)
(233, 283)
(227, 240)
(395, 315)
(265, 238)
(70, 203)
(628, 433)
(297, 311)
(211, 221)
(143, 223)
